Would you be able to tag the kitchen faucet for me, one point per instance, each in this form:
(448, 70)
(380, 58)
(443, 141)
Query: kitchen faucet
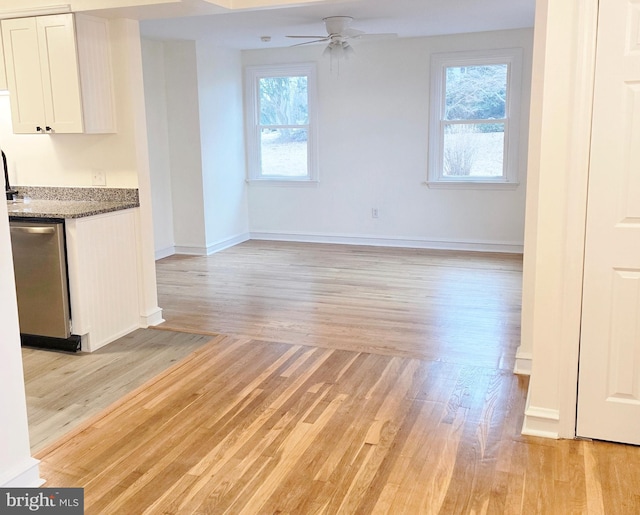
(7, 187)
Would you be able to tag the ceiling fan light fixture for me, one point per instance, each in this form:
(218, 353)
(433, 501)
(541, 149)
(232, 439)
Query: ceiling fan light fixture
(338, 50)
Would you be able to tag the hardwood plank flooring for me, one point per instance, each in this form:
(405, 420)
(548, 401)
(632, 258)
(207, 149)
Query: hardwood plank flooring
(65, 389)
(347, 380)
(252, 427)
(433, 305)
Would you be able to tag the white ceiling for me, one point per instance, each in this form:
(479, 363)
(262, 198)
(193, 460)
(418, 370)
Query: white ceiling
(198, 19)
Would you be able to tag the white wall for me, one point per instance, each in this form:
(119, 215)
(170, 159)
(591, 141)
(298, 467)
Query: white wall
(373, 118)
(17, 468)
(222, 139)
(194, 117)
(158, 135)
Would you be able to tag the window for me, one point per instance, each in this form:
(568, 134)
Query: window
(474, 125)
(280, 117)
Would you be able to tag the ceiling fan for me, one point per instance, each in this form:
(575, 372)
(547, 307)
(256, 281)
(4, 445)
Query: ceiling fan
(339, 32)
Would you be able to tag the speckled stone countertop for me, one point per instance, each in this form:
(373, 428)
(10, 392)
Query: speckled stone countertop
(46, 202)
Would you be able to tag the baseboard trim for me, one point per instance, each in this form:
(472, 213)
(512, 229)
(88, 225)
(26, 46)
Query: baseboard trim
(478, 246)
(88, 346)
(153, 318)
(542, 422)
(166, 252)
(229, 242)
(524, 361)
(27, 475)
(213, 248)
(190, 251)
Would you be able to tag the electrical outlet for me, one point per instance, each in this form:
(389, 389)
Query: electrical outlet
(99, 177)
(374, 212)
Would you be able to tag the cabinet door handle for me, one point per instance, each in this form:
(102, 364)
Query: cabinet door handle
(39, 129)
(48, 129)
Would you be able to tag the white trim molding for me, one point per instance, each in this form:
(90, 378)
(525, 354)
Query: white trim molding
(524, 362)
(214, 247)
(27, 475)
(390, 241)
(542, 422)
(254, 124)
(555, 225)
(190, 251)
(27, 12)
(440, 62)
(165, 252)
(226, 243)
(152, 318)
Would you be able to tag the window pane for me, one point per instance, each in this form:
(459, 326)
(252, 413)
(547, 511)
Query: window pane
(283, 152)
(475, 92)
(283, 101)
(473, 150)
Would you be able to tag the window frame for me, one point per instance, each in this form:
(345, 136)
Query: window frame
(253, 74)
(512, 57)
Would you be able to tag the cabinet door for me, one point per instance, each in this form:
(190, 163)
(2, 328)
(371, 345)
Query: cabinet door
(3, 75)
(24, 79)
(59, 65)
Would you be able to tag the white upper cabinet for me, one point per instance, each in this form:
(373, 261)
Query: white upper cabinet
(3, 75)
(59, 75)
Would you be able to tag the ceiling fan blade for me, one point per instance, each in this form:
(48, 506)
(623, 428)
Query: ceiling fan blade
(382, 35)
(311, 42)
(352, 33)
(307, 37)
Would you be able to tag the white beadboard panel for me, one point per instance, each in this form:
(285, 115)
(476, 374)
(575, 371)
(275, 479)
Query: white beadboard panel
(103, 277)
(94, 59)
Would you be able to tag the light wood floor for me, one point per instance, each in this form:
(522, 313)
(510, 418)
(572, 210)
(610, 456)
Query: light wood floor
(271, 423)
(433, 305)
(64, 389)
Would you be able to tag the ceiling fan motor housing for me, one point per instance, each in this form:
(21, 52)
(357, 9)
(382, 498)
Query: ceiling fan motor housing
(337, 24)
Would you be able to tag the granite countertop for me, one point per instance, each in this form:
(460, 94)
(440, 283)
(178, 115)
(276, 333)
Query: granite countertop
(42, 202)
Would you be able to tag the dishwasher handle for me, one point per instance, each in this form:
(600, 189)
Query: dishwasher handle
(34, 230)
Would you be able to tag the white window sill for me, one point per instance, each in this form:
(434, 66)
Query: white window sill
(283, 182)
(471, 185)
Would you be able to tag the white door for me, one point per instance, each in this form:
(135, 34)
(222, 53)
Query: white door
(609, 381)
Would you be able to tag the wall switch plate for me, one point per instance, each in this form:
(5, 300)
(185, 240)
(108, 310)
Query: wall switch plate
(99, 177)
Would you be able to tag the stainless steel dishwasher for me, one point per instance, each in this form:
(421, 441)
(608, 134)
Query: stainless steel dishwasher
(40, 266)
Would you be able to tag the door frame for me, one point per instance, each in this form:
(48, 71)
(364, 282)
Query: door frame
(555, 223)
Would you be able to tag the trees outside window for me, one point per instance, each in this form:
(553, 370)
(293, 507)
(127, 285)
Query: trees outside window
(474, 123)
(280, 104)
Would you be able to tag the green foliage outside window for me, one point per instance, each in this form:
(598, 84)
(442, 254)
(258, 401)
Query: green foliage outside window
(284, 103)
(477, 93)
